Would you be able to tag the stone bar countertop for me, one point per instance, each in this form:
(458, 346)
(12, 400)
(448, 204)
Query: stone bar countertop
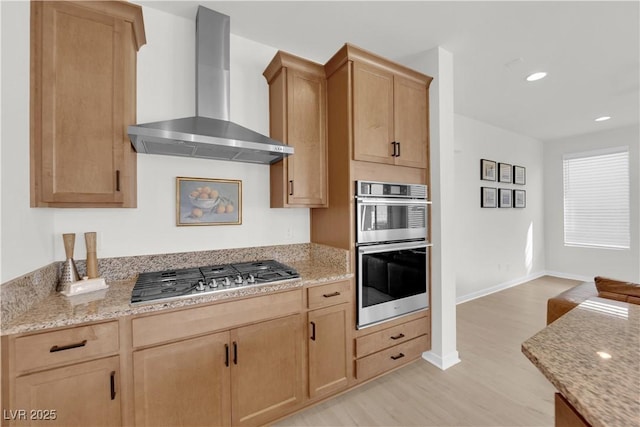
(315, 264)
(592, 356)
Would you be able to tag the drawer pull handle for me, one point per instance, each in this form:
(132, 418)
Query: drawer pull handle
(113, 385)
(313, 331)
(400, 356)
(333, 294)
(235, 353)
(397, 337)
(67, 347)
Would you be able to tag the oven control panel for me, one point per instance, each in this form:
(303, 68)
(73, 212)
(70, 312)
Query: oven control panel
(389, 189)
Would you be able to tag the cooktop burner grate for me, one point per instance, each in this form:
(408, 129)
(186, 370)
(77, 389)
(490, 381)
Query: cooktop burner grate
(188, 282)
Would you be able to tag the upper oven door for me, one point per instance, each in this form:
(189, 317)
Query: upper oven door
(383, 220)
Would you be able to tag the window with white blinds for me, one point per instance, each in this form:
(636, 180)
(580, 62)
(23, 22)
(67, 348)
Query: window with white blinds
(596, 198)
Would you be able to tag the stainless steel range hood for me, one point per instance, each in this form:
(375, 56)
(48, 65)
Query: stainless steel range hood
(209, 134)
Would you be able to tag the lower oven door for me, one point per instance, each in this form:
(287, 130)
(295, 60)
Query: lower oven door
(393, 280)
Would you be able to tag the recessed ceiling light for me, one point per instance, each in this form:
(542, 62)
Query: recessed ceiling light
(604, 354)
(602, 119)
(536, 76)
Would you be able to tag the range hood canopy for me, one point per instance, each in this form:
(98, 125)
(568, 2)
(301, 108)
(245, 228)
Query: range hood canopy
(209, 134)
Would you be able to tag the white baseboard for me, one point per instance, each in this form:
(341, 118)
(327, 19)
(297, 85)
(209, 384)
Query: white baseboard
(569, 276)
(499, 287)
(441, 362)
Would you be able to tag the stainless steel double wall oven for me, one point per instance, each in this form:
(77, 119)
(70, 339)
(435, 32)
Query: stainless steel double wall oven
(392, 250)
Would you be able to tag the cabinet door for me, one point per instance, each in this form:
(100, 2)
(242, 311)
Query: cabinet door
(328, 357)
(411, 122)
(83, 72)
(372, 114)
(267, 370)
(85, 394)
(297, 117)
(306, 119)
(184, 383)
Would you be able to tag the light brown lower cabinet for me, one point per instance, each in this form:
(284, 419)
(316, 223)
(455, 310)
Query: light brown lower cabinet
(183, 384)
(84, 394)
(566, 415)
(327, 346)
(391, 345)
(246, 376)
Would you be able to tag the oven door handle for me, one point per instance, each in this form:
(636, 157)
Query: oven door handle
(386, 247)
(376, 201)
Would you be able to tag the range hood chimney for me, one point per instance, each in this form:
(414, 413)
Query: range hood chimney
(209, 134)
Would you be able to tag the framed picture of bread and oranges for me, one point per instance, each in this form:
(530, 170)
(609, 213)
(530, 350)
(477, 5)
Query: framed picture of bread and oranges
(208, 201)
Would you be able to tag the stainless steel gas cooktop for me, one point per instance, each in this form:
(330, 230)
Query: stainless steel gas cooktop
(190, 282)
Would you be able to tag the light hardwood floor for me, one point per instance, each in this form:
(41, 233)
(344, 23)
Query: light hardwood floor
(494, 385)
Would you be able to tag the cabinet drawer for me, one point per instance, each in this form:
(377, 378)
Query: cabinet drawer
(377, 363)
(392, 336)
(329, 294)
(68, 345)
(164, 327)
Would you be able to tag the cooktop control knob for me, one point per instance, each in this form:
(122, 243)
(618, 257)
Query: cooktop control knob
(227, 282)
(239, 279)
(213, 283)
(200, 285)
(251, 279)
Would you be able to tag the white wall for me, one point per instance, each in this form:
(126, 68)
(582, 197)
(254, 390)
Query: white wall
(27, 241)
(166, 89)
(585, 263)
(495, 247)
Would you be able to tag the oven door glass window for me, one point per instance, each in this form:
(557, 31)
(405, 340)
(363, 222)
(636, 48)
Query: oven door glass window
(391, 221)
(393, 275)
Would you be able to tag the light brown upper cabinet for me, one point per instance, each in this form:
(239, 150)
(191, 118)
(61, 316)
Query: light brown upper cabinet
(390, 109)
(83, 97)
(297, 114)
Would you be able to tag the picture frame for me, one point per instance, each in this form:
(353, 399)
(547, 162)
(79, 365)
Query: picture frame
(504, 172)
(505, 197)
(519, 199)
(487, 170)
(488, 197)
(208, 201)
(519, 175)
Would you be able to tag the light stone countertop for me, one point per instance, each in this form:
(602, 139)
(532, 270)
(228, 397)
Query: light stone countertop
(56, 310)
(605, 391)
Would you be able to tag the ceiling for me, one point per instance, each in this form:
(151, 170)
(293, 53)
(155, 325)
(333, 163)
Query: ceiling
(589, 49)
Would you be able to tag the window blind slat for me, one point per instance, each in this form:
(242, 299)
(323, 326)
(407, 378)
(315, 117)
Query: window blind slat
(596, 199)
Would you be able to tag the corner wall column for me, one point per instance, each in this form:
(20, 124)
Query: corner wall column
(438, 63)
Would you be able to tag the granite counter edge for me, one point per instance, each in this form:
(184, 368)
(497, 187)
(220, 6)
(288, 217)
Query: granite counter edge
(165, 306)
